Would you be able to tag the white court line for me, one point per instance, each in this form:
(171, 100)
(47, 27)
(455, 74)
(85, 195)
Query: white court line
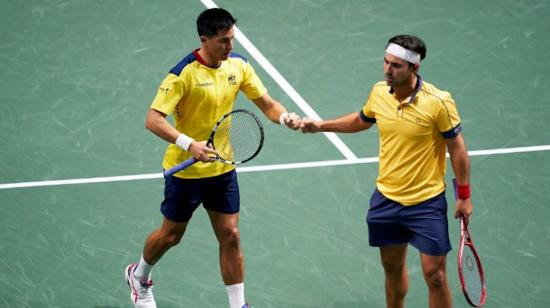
(285, 85)
(326, 163)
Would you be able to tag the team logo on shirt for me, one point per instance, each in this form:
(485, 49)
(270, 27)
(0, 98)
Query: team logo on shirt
(232, 80)
(164, 90)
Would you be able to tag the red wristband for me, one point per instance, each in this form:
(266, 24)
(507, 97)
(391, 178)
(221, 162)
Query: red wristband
(463, 191)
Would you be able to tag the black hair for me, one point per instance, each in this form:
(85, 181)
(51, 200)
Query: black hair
(211, 21)
(410, 42)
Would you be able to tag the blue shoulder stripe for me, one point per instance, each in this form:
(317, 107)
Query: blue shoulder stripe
(453, 132)
(236, 55)
(190, 58)
(365, 118)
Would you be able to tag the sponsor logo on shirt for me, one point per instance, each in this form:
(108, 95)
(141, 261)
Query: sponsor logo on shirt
(204, 84)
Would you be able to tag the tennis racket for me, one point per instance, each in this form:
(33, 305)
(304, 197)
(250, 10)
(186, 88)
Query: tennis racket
(238, 137)
(470, 270)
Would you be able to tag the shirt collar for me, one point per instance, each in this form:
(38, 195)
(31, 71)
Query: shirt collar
(198, 56)
(201, 60)
(417, 88)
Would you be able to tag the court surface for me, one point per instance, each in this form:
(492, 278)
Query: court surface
(80, 176)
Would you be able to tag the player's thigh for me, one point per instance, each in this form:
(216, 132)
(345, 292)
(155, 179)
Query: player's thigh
(384, 222)
(393, 257)
(428, 225)
(181, 198)
(222, 195)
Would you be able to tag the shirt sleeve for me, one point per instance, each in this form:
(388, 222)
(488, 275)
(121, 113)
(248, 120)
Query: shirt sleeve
(366, 112)
(448, 120)
(169, 94)
(252, 86)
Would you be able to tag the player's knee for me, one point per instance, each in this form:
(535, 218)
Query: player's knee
(230, 237)
(436, 278)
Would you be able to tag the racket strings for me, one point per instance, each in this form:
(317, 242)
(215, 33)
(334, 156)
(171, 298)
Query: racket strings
(238, 137)
(472, 275)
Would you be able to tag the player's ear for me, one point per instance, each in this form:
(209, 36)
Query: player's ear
(203, 38)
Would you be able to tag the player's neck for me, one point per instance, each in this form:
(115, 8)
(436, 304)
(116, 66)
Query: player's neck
(405, 90)
(205, 59)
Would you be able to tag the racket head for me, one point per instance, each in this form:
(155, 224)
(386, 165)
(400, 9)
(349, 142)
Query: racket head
(238, 137)
(470, 270)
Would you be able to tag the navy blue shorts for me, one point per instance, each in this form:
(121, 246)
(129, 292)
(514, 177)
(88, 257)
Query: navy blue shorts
(183, 196)
(424, 225)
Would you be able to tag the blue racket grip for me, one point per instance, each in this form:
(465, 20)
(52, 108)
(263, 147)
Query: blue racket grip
(179, 167)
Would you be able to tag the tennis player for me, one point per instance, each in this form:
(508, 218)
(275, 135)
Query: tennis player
(197, 92)
(417, 123)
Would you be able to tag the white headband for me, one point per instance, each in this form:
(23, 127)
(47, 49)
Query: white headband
(403, 53)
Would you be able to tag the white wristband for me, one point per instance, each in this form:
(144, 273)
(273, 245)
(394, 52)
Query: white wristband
(184, 141)
(282, 118)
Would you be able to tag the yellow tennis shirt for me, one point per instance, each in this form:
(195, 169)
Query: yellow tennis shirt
(412, 146)
(198, 96)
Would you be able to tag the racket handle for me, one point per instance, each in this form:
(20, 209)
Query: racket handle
(179, 167)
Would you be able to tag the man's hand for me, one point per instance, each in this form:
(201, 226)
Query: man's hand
(292, 120)
(464, 208)
(202, 152)
(310, 126)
